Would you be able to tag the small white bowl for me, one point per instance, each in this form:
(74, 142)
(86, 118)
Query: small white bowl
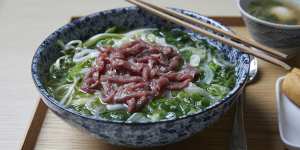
(288, 119)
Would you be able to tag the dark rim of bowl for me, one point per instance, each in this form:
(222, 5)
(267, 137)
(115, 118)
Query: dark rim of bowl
(52, 100)
(276, 25)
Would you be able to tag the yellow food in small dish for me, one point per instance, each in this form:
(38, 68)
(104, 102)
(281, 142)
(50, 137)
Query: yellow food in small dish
(291, 86)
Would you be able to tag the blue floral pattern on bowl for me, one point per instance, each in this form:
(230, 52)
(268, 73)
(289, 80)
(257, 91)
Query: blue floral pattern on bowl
(133, 134)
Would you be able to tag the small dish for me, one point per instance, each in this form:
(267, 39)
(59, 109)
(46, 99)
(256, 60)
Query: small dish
(288, 114)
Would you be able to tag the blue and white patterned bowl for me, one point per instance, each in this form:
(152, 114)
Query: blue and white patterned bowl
(133, 134)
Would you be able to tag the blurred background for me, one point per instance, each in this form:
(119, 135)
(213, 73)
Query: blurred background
(24, 24)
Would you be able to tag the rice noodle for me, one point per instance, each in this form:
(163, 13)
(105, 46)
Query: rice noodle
(137, 117)
(114, 107)
(192, 88)
(73, 44)
(68, 96)
(221, 62)
(85, 54)
(194, 60)
(208, 74)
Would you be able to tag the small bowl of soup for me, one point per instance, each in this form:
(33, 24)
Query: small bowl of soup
(274, 23)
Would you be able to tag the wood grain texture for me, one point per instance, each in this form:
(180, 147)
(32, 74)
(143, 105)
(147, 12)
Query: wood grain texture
(35, 126)
(260, 120)
(229, 20)
(57, 135)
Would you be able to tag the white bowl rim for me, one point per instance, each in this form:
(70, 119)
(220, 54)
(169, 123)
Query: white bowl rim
(275, 25)
(278, 99)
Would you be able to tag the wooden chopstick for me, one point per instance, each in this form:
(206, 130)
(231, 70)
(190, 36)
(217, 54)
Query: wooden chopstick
(234, 37)
(197, 29)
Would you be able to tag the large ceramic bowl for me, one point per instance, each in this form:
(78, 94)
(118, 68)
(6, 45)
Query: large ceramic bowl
(132, 134)
(285, 38)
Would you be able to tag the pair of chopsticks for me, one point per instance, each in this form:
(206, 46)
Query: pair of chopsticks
(258, 50)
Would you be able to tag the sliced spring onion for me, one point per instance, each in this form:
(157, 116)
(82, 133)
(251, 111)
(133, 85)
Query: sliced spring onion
(137, 33)
(84, 70)
(221, 62)
(122, 41)
(171, 115)
(148, 37)
(58, 62)
(209, 56)
(82, 100)
(73, 44)
(192, 88)
(99, 109)
(93, 40)
(116, 107)
(131, 36)
(89, 102)
(85, 54)
(138, 117)
(195, 60)
(196, 51)
(217, 90)
(163, 42)
(154, 117)
(208, 74)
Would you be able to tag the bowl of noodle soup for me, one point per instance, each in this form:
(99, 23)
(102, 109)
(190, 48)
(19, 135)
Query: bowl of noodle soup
(136, 80)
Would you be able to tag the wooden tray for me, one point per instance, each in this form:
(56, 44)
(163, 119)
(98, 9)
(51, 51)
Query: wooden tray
(47, 131)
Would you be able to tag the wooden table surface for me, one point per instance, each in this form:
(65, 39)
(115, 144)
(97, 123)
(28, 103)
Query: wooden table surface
(260, 120)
